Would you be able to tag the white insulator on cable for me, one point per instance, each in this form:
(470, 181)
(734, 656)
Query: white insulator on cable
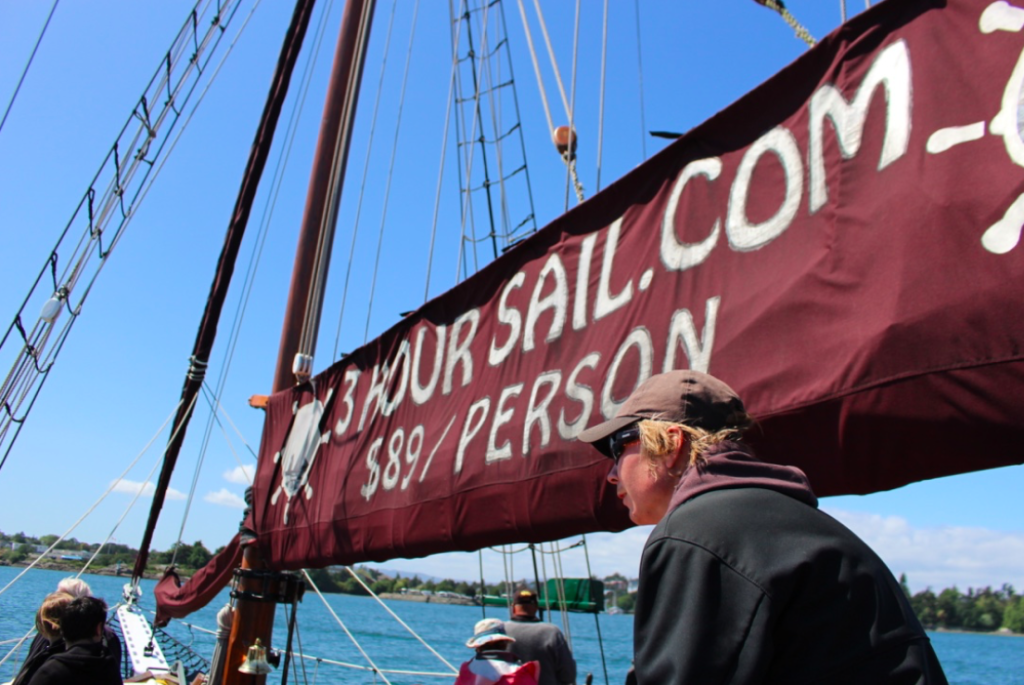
(51, 310)
(302, 366)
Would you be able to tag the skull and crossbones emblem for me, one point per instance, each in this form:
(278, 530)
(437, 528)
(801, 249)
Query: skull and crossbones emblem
(300, 450)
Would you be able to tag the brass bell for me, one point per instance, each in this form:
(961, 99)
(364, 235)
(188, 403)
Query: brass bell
(256, 660)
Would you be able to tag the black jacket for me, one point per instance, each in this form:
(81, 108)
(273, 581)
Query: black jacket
(39, 651)
(751, 585)
(81, 664)
(42, 649)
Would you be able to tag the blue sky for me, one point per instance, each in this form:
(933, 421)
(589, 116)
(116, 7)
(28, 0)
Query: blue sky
(120, 374)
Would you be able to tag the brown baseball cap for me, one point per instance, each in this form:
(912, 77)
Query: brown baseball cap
(525, 597)
(683, 396)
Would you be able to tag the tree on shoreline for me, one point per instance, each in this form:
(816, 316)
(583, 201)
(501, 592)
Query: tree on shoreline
(979, 609)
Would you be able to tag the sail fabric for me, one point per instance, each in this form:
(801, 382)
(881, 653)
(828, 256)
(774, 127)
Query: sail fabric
(174, 600)
(840, 246)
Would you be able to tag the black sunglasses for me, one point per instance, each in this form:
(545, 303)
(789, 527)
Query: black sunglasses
(618, 441)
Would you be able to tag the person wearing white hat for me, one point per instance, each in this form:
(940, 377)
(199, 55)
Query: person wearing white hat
(493, 663)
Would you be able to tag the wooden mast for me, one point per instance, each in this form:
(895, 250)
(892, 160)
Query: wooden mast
(254, 618)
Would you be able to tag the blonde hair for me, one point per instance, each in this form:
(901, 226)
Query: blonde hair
(76, 587)
(656, 441)
(49, 615)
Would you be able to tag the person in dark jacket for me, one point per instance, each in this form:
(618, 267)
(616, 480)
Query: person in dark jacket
(744, 579)
(539, 641)
(76, 587)
(47, 641)
(86, 659)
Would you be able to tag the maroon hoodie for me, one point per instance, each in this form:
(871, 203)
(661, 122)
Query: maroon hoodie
(733, 465)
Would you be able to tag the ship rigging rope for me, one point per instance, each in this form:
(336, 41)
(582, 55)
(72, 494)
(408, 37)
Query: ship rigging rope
(195, 478)
(801, 32)
(268, 211)
(19, 642)
(569, 156)
(391, 170)
(492, 86)
(32, 366)
(139, 491)
(213, 395)
(440, 171)
(373, 666)
(470, 152)
(216, 406)
(362, 182)
(536, 66)
(213, 401)
(600, 98)
(597, 623)
(553, 550)
(28, 64)
(488, 85)
(559, 579)
(329, 218)
(640, 81)
(551, 57)
(483, 584)
(395, 616)
(102, 497)
(341, 623)
(297, 654)
(466, 211)
(356, 667)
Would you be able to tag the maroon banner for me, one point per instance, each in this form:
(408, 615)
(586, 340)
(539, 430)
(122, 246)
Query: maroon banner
(174, 600)
(840, 246)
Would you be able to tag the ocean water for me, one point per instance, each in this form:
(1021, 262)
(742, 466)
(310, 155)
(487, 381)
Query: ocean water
(968, 659)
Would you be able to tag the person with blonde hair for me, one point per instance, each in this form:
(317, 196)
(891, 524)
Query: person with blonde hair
(76, 587)
(86, 657)
(48, 640)
(744, 579)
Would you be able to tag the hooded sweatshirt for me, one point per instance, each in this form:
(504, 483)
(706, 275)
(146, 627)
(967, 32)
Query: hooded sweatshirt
(745, 581)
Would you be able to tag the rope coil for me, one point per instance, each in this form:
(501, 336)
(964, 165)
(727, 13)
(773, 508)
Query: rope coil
(197, 369)
(801, 32)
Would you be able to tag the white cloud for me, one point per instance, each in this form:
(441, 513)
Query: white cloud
(941, 557)
(225, 498)
(132, 487)
(241, 475)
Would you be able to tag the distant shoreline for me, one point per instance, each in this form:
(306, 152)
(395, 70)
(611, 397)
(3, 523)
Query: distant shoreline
(960, 631)
(71, 568)
(421, 598)
(429, 599)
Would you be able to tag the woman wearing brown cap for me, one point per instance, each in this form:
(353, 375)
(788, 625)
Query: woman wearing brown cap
(744, 579)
